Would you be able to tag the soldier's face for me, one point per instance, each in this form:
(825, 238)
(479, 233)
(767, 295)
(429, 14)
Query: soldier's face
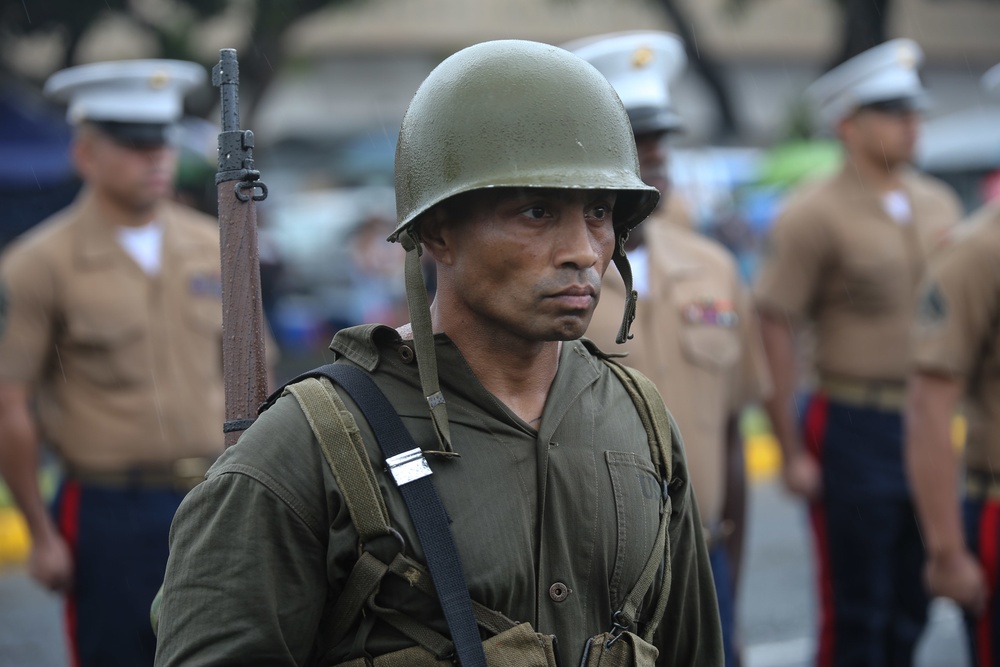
(888, 136)
(654, 161)
(136, 178)
(524, 263)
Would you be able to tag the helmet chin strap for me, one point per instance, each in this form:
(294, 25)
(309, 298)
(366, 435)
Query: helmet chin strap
(423, 341)
(631, 296)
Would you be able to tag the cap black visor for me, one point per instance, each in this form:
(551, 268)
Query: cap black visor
(899, 106)
(135, 135)
(649, 120)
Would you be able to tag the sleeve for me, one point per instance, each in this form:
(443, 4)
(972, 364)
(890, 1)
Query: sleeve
(27, 313)
(957, 306)
(690, 632)
(794, 256)
(753, 379)
(246, 578)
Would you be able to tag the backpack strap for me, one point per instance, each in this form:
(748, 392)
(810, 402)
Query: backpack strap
(340, 440)
(660, 429)
(411, 474)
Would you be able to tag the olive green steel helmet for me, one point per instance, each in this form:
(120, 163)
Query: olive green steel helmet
(514, 113)
(510, 114)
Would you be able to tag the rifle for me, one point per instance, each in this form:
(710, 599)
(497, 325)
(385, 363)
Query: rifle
(239, 188)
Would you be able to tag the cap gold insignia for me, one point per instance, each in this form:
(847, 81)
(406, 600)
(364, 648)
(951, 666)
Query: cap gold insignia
(906, 57)
(642, 57)
(159, 79)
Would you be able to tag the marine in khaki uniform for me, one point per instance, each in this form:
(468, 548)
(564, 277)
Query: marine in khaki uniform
(846, 256)
(956, 355)
(532, 441)
(110, 352)
(696, 336)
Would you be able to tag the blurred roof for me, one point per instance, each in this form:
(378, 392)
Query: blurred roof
(767, 29)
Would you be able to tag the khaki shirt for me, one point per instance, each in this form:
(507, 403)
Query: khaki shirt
(696, 338)
(260, 551)
(957, 330)
(126, 367)
(838, 260)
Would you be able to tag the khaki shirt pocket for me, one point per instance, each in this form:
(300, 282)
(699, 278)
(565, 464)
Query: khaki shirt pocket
(638, 502)
(107, 343)
(713, 347)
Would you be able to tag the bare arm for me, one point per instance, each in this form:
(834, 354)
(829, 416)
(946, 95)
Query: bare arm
(933, 469)
(799, 469)
(50, 560)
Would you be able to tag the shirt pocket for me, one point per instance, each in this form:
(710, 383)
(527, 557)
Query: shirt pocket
(638, 503)
(713, 347)
(107, 342)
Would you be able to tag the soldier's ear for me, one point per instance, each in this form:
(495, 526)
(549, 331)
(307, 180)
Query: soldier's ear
(435, 234)
(81, 153)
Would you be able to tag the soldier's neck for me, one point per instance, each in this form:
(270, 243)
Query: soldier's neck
(124, 214)
(877, 176)
(519, 373)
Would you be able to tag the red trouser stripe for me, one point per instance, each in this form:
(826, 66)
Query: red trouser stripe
(69, 526)
(815, 434)
(989, 555)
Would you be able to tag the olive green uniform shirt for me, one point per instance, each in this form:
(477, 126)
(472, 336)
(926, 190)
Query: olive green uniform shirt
(261, 550)
(957, 331)
(126, 367)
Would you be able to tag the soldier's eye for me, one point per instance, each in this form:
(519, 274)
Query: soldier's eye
(536, 212)
(600, 212)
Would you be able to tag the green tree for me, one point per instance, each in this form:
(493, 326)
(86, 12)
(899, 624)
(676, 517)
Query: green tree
(172, 24)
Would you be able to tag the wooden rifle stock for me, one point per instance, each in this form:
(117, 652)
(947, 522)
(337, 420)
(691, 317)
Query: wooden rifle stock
(239, 187)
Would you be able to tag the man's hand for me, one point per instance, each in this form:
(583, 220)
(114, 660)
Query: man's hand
(957, 575)
(802, 476)
(51, 563)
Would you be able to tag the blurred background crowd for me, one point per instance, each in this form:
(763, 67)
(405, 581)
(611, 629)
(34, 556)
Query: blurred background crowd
(324, 84)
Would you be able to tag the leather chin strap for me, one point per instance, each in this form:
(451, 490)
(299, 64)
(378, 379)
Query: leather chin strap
(631, 296)
(423, 341)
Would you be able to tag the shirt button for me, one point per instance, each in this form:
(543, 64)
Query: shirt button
(406, 353)
(559, 591)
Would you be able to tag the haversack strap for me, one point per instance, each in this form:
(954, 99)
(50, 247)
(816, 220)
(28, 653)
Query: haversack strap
(659, 429)
(340, 440)
(412, 476)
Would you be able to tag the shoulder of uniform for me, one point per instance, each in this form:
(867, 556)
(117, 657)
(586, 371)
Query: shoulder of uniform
(194, 221)
(930, 186)
(45, 239)
(808, 201)
(979, 234)
(713, 252)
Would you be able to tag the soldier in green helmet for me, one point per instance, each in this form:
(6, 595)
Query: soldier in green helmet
(561, 475)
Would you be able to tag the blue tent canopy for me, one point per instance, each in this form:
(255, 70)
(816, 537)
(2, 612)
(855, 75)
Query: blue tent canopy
(34, 141)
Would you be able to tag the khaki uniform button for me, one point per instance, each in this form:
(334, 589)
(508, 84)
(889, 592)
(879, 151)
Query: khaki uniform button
(559, 591)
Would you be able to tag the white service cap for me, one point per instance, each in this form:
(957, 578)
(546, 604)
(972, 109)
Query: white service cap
(125, 91)
(640, 65)
(886, 72)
